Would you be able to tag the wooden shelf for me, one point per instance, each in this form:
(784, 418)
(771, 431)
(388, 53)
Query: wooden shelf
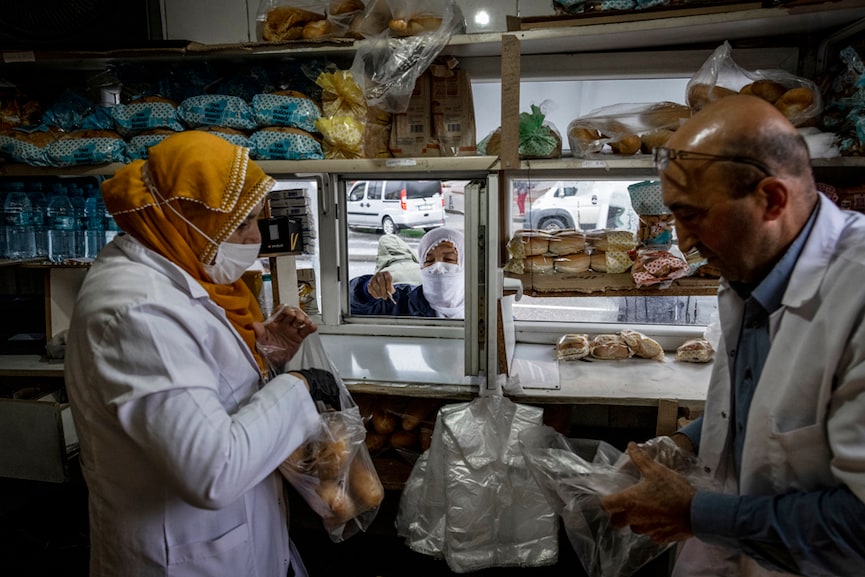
(605, 284)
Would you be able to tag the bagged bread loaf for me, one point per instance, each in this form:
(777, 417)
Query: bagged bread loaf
(697, 350)
(610, 347)
(572, 347)
(642, 346)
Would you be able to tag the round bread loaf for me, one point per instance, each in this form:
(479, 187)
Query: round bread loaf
(628, 144)
(651, 140)
(697, 350)
(794, 101)
(572, 347)
(765, 89)
(536, 243)
(584, 140)
(568, 242)
(610, 347)
(599, 261)
(701, 94)
(539, 264)
(643, 346)
(572, 263)
(317, 29)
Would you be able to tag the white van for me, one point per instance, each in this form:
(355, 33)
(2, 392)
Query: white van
(390, 205)
(583, 205)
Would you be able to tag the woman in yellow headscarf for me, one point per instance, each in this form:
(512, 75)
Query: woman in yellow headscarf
(180, 436)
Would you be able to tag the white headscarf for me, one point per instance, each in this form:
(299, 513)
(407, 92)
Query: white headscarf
(444, 290)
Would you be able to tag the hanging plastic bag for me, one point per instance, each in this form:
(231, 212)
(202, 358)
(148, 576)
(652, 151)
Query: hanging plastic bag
(575, 473)
(387, 65)
(470, 498)
(333, 470)
(798, 98)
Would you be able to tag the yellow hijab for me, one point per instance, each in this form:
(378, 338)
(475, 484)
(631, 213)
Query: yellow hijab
(215, 186)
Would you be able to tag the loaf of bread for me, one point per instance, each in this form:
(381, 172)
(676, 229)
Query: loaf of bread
(414, 25)
(572, 263)
(317, 29)
(765, 89)
(539, 264)
(340, 7)
(653, 139)
(700, 95)
(697, 350)
(642, 346)
(794, 101)
(572, 347)
(287, 23)
(627, 144)
(536, 243)
(567, 242)
(610, 347)
(599, 261)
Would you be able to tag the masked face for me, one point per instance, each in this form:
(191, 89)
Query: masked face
(443, 280)
(232, 260)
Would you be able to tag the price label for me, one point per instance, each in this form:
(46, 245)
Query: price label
(401, 162)
(593, 164)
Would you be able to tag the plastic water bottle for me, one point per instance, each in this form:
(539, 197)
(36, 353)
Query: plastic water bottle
(265, 296)
(61, 226)
(39, 202)
(94, 233)
(17, 210)
(76, 197)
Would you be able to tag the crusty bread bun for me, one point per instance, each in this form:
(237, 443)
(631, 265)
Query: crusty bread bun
(653, 139)
(539, 264)
(628, 144)
(697, 350)
(572, 263)
(572, 347)
(665, 115)
(765, 89)
(317, 29)
(794, 101)
(567, 242)
(610, 347)
(536, 243)
(643, 346)
(599, 261)
(584, 140)
(701, 94)
(338, 7)
(597, 240)
(287, 22)
(414, 25)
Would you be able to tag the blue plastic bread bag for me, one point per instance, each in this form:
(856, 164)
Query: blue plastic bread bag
(216, 110)
(332, 470)
(470, 498)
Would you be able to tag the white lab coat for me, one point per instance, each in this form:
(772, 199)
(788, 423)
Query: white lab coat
(804, 427)
(179, 440)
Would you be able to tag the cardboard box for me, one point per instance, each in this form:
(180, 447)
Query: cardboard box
(280, 235)
(411, 131)
(453, 114)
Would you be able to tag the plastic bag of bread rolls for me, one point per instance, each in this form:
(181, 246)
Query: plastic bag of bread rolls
(87, 147)
(798, 98)
(285, 108)
(27, 147)
(332, 470)
(282, 20)
(624, 127)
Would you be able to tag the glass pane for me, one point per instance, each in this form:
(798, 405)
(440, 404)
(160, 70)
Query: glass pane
(385, 234)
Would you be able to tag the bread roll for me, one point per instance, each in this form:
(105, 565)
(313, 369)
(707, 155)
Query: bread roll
(610, 347)
(628, 144)
(572, 263)
(338, 7)
(405, 439)
(665, 115)
(651, 140)
(384, 421)
(599, 261)
(536, 243)
(765, 89)
(364, 485)
(287, 22)
(317, 29)
(643, 346)
(375, 442)
(697, 350)
(567, 242)
(539, 264)
(584, 140)
(794, 101)
(572, 347)
(414, 25)
(701, 94)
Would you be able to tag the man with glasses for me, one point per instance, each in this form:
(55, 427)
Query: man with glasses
(783, 432)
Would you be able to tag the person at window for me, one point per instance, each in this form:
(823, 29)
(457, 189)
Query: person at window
(440, 294)
(180, 435)
(399, 259)
(782, 432)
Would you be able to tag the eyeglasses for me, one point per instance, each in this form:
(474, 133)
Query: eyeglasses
(664, 155)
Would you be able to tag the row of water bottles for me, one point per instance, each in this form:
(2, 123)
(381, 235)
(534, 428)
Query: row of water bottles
(53, 220)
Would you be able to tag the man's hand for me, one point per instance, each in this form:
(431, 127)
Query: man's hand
(659, 506)
(280, 336)
(380, 286)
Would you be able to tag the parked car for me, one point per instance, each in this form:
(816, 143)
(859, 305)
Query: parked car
(390, 205)
(583, 205)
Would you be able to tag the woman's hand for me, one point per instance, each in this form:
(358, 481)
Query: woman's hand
(280, 336)
(380, 286)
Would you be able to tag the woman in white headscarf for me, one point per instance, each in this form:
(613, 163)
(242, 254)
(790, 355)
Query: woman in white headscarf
(440, 294)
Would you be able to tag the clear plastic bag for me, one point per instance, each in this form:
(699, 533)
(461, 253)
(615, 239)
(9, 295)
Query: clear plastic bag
(333, 470)
(798, 98)
(386, 66)
(575, 473)
(470, 498)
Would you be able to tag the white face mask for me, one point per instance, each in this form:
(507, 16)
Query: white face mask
(444, 288)
(232, 260)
